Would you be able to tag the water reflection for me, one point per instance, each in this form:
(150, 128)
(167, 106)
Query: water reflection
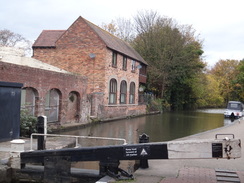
(161, 127)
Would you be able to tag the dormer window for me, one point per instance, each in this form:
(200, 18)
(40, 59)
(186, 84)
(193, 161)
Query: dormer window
(114, 59)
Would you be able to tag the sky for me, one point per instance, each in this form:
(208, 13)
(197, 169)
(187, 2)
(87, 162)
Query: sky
(219, 23)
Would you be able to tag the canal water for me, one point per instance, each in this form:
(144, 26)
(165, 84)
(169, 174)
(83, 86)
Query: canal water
(159, 127)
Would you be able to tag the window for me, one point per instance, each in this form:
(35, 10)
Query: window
(73, 107)
(112, 91)
(123, 91)
(124, 63)
(28, 100)
(52, 105)
(132, 93)
(133, 66)
(114, 59)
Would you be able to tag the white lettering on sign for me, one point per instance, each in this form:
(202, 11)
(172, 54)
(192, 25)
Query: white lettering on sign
(130, 152)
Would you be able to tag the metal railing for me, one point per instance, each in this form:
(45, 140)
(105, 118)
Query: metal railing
(76, 138)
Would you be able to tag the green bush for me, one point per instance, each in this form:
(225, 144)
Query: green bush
(155, 105)
(27, 124)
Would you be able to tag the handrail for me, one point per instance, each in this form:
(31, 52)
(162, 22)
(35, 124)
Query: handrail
(73, 136)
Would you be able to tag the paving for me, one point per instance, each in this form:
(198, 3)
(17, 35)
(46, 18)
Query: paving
(174, 171)
(197, 170)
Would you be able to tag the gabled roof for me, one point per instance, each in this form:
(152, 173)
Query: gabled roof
(48, 38)
(115, 43)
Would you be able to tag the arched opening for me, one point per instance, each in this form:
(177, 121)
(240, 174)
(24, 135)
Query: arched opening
(112, 91)
(52, 105)
(132, 93)
(73, 108)
(123, 92)
(29, 100)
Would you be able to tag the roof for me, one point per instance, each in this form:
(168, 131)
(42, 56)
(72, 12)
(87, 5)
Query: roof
(15, 56)
(48, 38)
(115, 43)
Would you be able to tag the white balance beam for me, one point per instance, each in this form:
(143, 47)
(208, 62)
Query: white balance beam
(204, 149)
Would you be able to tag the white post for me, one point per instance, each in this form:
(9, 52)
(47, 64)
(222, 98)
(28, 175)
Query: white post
(45, 127)
(17, 146)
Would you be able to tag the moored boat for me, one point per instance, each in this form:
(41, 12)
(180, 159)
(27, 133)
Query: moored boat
(235, 109)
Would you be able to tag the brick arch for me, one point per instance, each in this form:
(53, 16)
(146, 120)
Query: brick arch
(73, 107)
(113, 90)
(53, 105)
(123, 92)
(30, 100)
(132, 92)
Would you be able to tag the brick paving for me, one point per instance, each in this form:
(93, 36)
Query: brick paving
(240, 175)
(203, 175)
(193, 175)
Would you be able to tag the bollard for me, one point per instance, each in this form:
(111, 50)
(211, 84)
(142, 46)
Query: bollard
(17, 146)
(41, 128)
(144, 138)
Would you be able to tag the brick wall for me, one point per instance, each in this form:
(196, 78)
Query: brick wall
(43, 81)
(120, 111)
(119, 74)
(72, 53)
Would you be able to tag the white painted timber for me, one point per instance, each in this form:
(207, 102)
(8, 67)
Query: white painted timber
(203, 149)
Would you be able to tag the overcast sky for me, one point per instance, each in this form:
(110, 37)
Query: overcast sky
(220, 23)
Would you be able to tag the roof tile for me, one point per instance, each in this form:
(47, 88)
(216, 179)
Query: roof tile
(48, 38)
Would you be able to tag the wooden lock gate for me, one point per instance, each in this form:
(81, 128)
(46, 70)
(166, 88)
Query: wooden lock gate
(57, 163)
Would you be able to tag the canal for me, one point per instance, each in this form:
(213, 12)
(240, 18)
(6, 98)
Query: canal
(160, 127)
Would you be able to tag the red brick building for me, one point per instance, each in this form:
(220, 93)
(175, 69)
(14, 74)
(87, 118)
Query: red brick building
(47, 90)
(115, 71)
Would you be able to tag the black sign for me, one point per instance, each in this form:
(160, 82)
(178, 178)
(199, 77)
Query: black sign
(217, 150)
(136, 151)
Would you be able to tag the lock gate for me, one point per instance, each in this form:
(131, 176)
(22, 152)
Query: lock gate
(58, 162)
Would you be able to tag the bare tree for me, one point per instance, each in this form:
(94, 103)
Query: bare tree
(11, 39)
(121, 28)
(125, 29)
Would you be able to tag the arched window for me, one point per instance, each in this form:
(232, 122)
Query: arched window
(52, 105)
(28, 100)
(132, 93)
(73, 108)
(112, 91)
(123, 92)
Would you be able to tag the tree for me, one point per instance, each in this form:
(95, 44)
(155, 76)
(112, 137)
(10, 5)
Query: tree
(173, 54)
(238, 83)
(11, 39)
(225, 72)
(111, 27)
(209, 92)
(121, 28)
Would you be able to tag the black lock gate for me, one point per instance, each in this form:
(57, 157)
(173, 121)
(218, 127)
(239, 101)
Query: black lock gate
(57, 163)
